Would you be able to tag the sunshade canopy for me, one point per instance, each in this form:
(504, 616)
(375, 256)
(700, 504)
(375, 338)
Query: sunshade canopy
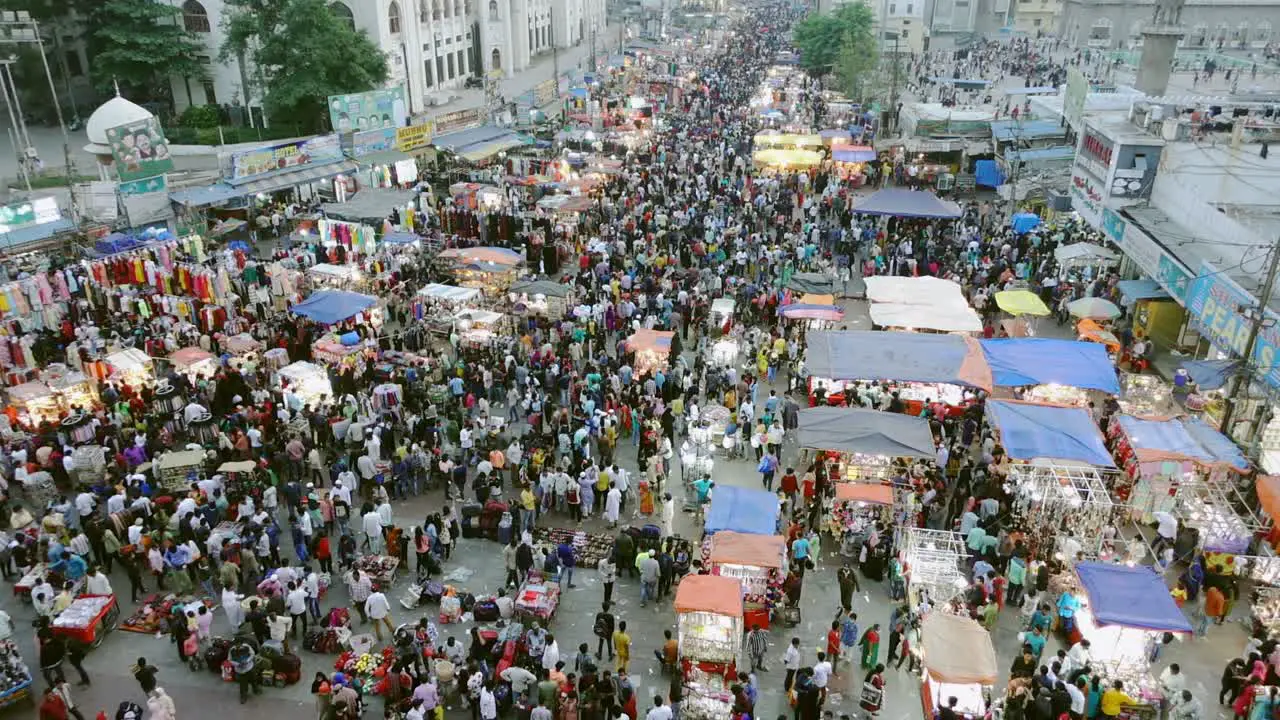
(807, 311)
(1024, 222)
(1132, 291)
(1083, 253)
(1093, 307)
(1154, 440)
(1133, 597)
(1091, 331)
(766, 551)
(898, 357)
(926, 317)
(907, 203)
(1041, 361)
(540, 287)
(853, 153)
(742, 510)
(451, 293)
(870, 493)
(1221, 447)
(1211, 374)
(129, 359)
(645, 339)
(924, 290)
(813, 283)
(370, 205)
(957, 650)
(709, 593)
(495, 255)
(1021, 302)
(1029, 431)
(869, 432)
(188, 356)
(333, 306)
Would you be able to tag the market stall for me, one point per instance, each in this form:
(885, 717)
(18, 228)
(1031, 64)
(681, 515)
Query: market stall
(436, 305)
(742, 510)
(815, 316)
(344, 277)
(924, 290)
(242, 476)
(919, 367)
(1030, 431)
(1088, 330)
(1084, 258)
(651, 349)
(491, 269)
(537, 600)
(340, 350)
(476, 195)
(721, 314)
(308, 380)
(177, 470)
(33, 403)
(541, 298)
(241, 351)
(911, 318)
(76, 391)
(959, 662)
(863, 442)
(709, 630)
(935, 565)
(330, 307)
(194, 363)
(1145, 395)
(131, 366)
(16, 685)
(757, 562)
(850, 162)
(477, 329)
(88, 619)
(784, 160)
(1053, 371)
(1064, 509)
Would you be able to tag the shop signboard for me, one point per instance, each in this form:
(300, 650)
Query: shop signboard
(1095, 153)
(545, 93)
(459, 120)
(1113, 225)
(29, 212)
(414, 137)
(371, 110)
(1086, 196)
(142, 187)
(1221, 309)
(1148, 254)
(139, 149)
(368, 142)
(285, 156)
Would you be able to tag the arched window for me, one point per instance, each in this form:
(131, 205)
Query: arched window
(495, 60)
(194, 17)
(393, 18)
(493, 12)
(1262, 33)
(343, 12)
(1100, 32)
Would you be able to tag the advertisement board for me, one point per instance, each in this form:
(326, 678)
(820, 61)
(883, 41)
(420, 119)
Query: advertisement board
(1086, 196)
(1221, 307)
(1148, 254)
(29, 212)
(371, 110)
(142, 187)
(459, 120)
(368, 142)
(285, 156)
(545, 93)
(139, 149)
(414, 137)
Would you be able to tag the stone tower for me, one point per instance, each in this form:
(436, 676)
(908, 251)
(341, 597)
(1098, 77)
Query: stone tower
(1159, 45)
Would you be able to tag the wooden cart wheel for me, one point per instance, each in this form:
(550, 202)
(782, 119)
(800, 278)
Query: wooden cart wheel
(112, 620)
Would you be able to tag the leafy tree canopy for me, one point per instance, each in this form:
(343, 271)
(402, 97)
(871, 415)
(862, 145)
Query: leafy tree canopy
(819, 37)
(140, 44)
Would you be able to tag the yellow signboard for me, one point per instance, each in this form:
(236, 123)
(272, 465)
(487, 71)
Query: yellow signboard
(414, 137)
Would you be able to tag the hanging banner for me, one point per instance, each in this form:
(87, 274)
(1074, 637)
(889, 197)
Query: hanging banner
(368, 142)
(460, 120)
(371, 110)
(545, 93)
(1222, 308)
(286, 156)
(139, 149)
(142, 187)
(414, 137)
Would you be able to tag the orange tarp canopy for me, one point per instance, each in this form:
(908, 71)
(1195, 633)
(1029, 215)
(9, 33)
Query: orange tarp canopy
(1090, 330)
(709, 593)
(656, 340)
(736, 548)
(1269, 496)
(864, 492)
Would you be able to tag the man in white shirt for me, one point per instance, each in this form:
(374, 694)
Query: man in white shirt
(368, 471)
(659, 711)
(1166, 530)
(296, 601)
(85, 503)
(821, 672)
(115, 503)
(379, 611)
(1172, 681)
(371, 524)
(97, 583)
(550, 655)
(791, 662)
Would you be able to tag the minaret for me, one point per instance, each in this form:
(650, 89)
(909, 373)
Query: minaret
(1159, 45)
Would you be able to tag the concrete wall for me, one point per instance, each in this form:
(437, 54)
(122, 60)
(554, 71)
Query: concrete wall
(1084, 23)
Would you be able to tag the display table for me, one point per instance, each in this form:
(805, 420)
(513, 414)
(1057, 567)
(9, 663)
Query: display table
(88, 619)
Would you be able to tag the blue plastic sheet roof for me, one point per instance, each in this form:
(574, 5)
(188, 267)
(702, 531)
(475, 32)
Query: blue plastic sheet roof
(15, 239)
(1165, 436)
(907, 203)
(896, 357)
(1210, 374)
(1039, 361)
(742, 510)
(1008, 130)
(333, 306)
(1024, 222)
(987, 173)
(1144, 289)
(1133, 597)
(1216, 444)
(1029, 431)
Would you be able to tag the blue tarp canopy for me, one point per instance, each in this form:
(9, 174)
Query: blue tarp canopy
(1024, 222)
(15, 239)
(742, 510)
(579, 92)
(1040, 361)
(987, 173)
(400, 238)
(1221, 447)
(1133, 597)
(1210, 374)
(1048, 154)
(333, 306)
(907, 203)
(1145, 289)
(1009, 130)
(897, 357)
(1029, 431)
(1167, 439)
(851, 155)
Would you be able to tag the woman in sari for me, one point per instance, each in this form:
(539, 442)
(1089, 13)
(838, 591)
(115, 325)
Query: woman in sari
(870, 644)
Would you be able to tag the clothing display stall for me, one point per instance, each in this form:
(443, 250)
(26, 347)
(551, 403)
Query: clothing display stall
(652, 349)
(347, 238)
(339, 351)
(388, 399)
(194, 363)
(34, 403)
(755, 561)
(132, 367)
(959, 662)
(309, 381)
(709, 631)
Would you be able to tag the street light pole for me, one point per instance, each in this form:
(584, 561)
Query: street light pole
(1243, 381)
(17, 134)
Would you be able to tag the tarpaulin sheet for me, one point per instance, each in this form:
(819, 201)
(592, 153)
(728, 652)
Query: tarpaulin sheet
(742, 510)
(813, 283)
(1029, 431)
(864, 493)
(1210, 374)
(897, 357)
(926, 317)
(987, 174)
(1133, 597)
(1221, 447)
(1041, 361)
(333, 306)
(924, 290)
(907, 203)
(370, 205)
(809, 311)
(540, 287)
(853, 153)
(958, 650)
(1132, 291)
(735, 548)
(870, 432)
(709, 593)
(1155, 440)
(1024, 222)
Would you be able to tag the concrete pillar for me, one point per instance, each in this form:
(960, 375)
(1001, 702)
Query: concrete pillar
(1159, 45)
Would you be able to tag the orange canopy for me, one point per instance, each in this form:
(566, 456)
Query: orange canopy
(1269, 496)
(736, 548)
(657, 340)
(709, 593)
(875, 494)
(1090, 330)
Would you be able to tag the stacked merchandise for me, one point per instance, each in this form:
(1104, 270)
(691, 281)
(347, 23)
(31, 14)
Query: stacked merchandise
(83, 618)
(588, 548)
(15, 677)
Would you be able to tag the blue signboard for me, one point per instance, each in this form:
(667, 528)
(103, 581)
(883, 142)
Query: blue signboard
(1173, 278)
(1113, 225)
(1221, 308)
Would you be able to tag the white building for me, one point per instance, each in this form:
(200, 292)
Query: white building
(432, 46)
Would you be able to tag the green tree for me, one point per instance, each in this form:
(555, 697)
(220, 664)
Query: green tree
(292, 47)
(857, 63)
(819, 37)
(139, 44)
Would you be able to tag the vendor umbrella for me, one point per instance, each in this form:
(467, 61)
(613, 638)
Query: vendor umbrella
(1021, 302)
(1093, 307)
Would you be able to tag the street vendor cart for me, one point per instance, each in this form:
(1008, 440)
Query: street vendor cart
(709, 630)
(15, 687)
(755, 561)
(380, 568)
(537, 600)
(959, 662)
(88, 619)
(241, 476)
(179, 469)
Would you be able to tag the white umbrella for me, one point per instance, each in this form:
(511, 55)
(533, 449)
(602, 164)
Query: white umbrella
(1092, 307)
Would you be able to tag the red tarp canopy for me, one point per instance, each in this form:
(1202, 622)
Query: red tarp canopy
(709, 593)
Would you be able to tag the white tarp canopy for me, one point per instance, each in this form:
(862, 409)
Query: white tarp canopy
(129, 359)
(335, 272)
(926, 317)
(1083, 253)
(452, 293)
(925, 290)
(723, 306)
(301, 371)
(478, 317)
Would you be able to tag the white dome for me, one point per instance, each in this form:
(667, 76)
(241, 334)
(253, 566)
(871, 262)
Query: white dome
(114, 112)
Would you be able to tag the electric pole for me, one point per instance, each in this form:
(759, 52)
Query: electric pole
(893, 87)
(555, 46)
(1246, 376)
(593, 48)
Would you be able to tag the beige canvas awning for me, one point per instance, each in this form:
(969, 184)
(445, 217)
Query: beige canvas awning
(957, 650)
